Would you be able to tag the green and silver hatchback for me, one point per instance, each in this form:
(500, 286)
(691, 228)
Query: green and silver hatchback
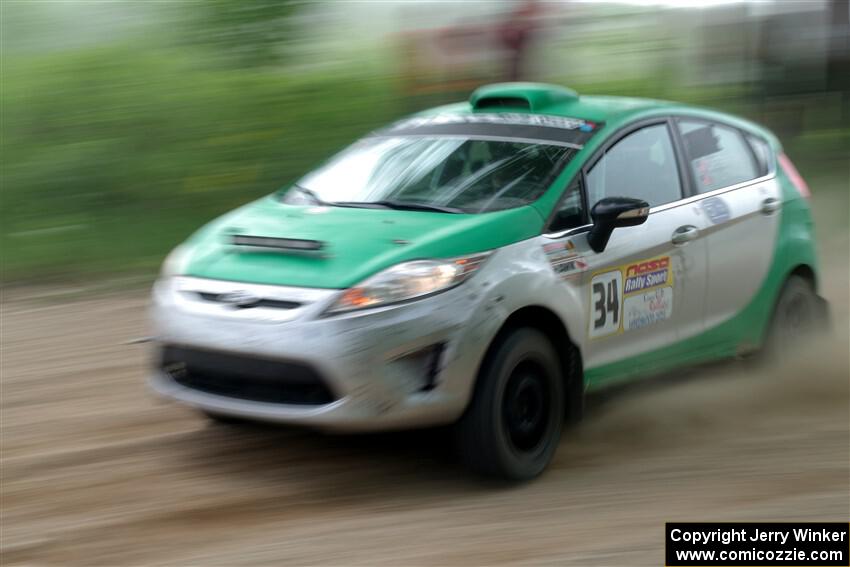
(485, 264)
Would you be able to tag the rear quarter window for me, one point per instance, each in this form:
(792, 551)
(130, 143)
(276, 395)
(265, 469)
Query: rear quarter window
(717, 155)
(763, 153)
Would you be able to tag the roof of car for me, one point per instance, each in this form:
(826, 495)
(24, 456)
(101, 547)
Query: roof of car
(542, 98)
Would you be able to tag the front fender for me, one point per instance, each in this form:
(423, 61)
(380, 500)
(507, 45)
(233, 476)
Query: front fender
(518, 276)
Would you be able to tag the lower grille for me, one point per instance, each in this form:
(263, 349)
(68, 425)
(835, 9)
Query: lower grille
(259, 302)
(245, 378)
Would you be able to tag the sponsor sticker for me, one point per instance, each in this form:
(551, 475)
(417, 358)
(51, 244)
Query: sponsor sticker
(554, 248)
(510, 118)
(716, 210)
(647, 275)
(570, 267)
(645, 309)
(564, 259)
(630, 297)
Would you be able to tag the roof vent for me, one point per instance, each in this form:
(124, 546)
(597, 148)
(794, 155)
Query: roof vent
(535, 97)
(503, 102)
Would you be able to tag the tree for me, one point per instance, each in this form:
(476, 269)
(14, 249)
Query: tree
(248, 33)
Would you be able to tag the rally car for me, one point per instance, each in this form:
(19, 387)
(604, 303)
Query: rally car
(485, 264)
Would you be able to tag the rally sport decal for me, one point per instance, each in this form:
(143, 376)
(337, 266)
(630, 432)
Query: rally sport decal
(630, 297)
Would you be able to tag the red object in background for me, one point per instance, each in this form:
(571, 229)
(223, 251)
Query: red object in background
(516, 35)
(794, 176)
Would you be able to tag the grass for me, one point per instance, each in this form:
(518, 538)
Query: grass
(113, 155)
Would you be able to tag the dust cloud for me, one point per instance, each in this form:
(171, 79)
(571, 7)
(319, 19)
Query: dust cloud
(96, 471)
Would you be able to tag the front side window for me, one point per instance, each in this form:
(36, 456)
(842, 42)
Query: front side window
(642, 166)
(445, 173)
(570, 211)
(718, 156)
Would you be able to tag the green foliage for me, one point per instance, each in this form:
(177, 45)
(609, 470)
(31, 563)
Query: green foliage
(249, 33)
(113, 155)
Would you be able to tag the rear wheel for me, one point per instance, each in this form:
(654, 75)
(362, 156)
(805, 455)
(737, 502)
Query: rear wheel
(513, 424)
(797, 317)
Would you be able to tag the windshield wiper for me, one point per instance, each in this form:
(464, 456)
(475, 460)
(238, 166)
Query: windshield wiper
(411, 206)
(397, 205)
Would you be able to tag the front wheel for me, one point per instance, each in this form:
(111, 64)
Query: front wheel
(513, 424)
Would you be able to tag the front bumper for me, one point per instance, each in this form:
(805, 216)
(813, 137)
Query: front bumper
(368, 360)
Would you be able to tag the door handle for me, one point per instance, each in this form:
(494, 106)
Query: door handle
(684, 234)
(770, 206)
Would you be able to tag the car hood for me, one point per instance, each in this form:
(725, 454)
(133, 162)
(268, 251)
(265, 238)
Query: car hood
(356, 242)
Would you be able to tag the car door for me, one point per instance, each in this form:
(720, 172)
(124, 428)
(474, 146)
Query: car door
(740, 201)
(646, 289)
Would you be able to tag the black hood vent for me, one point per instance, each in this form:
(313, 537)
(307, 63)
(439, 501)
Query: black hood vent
(286, 244)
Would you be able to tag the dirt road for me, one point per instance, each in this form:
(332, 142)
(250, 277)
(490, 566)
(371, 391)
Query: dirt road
(96, 471)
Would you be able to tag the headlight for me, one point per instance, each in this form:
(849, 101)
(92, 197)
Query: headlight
(175, 263)
(409, 280)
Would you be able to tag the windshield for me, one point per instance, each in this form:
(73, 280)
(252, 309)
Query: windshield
(440, 173)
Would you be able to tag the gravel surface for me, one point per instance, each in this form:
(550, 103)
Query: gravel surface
(95, 471)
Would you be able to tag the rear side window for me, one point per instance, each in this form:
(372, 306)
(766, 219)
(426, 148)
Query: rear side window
(642, 165)
(717, 155)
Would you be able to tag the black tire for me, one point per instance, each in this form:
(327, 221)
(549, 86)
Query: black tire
(513, 424)
(797, 318)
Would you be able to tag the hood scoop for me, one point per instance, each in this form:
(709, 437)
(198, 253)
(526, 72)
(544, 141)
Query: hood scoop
(296, 245)
(536, 97)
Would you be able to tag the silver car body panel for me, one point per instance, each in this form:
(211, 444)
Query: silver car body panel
(360, 354)
(611, 333)
(740, 247)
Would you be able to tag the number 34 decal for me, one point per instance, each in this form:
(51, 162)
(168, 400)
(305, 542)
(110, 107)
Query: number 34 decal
(605, 303)
(631, 297)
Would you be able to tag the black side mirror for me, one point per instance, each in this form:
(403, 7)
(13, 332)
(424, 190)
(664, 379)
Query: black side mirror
(613, 212)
